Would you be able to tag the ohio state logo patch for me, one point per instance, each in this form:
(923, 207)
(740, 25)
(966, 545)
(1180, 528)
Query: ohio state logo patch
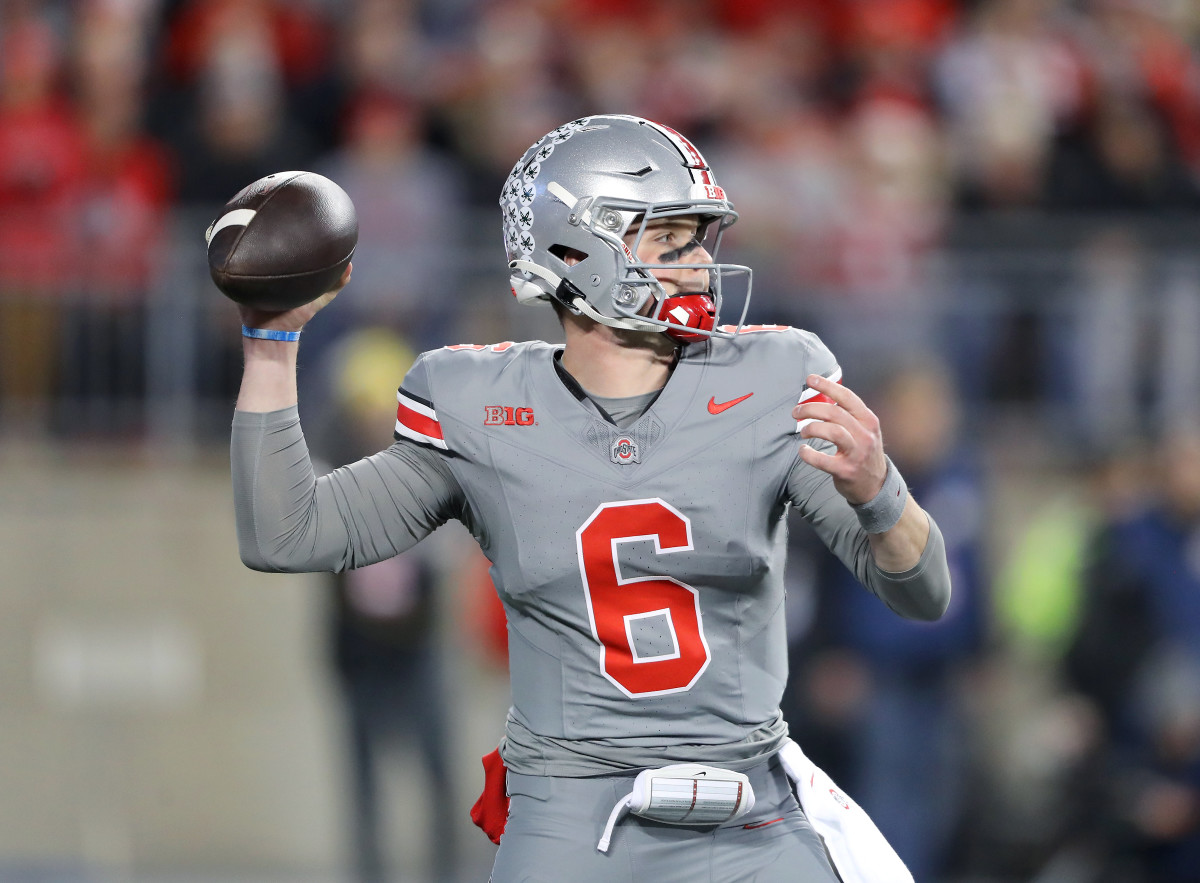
(506, 415)
(624, 450)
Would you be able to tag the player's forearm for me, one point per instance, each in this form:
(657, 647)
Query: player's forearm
(268, 376)
(911, 574)
(908, 572)
(281, 524)
(899, 548)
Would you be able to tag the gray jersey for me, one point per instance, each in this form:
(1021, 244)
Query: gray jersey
(641, 568)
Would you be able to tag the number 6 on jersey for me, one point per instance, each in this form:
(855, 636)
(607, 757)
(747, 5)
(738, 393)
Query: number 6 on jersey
(621, 610)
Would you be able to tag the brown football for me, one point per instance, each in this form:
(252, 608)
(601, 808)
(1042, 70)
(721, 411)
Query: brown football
(282, 241)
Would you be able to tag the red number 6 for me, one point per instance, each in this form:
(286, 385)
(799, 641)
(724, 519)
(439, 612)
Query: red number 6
(616, 604)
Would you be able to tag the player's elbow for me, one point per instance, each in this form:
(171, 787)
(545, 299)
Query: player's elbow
(924, 598)
(933, 605)
(255, 557)
(255, 560)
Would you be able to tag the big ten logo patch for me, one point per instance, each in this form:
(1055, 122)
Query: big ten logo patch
(506, 415)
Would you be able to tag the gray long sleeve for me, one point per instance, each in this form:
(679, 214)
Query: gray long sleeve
(290, 520)
(923, 592)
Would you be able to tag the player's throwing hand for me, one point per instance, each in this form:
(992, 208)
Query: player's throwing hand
(859, 466)
(294, 319)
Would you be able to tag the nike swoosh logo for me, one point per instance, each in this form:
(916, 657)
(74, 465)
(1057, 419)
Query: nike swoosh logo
(715, 407)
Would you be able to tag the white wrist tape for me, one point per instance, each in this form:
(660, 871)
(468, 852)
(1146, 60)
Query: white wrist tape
(684, 794)
(882, 511)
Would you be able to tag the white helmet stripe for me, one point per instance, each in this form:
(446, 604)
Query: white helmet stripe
(691, 156)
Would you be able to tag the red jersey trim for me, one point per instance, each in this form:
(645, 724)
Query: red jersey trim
(417, 421)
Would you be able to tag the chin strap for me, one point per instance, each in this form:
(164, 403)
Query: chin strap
(527, 292)
(629, 323)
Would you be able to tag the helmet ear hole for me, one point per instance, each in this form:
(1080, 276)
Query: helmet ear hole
(566, 254)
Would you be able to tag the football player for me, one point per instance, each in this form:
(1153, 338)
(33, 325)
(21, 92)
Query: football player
(630, 489)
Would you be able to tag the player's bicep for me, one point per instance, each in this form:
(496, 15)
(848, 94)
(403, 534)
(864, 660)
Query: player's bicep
(390, 501)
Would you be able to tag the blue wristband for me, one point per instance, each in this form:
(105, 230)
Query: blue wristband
(270, 334)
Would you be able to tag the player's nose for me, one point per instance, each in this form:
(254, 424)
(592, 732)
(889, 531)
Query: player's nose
(696, 275)
(698, 255)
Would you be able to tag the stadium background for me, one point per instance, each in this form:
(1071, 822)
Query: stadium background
(1002, 193)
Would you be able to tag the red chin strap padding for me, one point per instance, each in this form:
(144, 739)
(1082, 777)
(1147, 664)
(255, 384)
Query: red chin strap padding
(691, 310)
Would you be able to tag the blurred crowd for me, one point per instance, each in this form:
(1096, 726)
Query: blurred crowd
(1008, 187)
(857, 137)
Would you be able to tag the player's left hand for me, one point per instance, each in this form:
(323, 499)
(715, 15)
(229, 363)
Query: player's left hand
(859, 465)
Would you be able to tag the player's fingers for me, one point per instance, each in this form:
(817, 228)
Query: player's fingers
(843, 395)
(829, 463)
(344, 280)
(323, 301)
(823, 411)
(830, 432)
(296, 318)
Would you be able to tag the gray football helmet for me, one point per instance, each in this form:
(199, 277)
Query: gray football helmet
(578, 191)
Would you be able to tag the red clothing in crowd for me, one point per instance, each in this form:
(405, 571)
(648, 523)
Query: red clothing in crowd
(42, 165)
(127, 193)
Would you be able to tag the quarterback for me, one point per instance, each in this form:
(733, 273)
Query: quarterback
(630, 488)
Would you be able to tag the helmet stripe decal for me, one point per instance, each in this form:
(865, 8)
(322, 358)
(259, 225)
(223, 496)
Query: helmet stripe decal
(691, 156)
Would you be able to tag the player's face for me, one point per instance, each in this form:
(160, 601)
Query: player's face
(673, 241)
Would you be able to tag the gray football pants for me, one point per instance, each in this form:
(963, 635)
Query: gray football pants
(554, 823)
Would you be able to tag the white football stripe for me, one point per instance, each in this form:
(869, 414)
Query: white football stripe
(414, 405)
(239, 217)
(421, 437)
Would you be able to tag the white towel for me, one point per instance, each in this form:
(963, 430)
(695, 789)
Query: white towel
(860, 853)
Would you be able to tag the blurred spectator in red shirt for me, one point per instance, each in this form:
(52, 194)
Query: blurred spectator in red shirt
(120, 229)
(41, 168)
(129, 176)
(1139, 49)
